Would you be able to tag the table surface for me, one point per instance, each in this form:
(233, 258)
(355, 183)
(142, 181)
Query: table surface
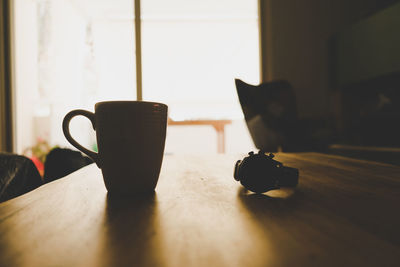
(344, 212)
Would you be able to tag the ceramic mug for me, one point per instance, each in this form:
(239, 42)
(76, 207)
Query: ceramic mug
(130, 139)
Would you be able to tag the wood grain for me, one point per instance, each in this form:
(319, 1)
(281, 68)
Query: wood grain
(344, 212)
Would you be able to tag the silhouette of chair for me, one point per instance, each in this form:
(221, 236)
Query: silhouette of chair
(63, 161)
(18, 175)
(271, 115)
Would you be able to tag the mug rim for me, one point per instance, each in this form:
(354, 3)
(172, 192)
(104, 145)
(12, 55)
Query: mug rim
(101, 103)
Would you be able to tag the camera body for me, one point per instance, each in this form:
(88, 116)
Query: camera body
(260, 173)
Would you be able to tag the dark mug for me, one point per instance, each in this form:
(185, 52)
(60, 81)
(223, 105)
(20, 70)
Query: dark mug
(130, 140)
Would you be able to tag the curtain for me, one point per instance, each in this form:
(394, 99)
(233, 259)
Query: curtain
(6, 142)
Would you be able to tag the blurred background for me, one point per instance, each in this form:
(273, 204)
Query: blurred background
(340, 57)
(71, 54)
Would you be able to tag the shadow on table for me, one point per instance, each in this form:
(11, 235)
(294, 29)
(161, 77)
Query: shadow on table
(275, 203)
(275, 216)
(131, 227)
(283, 194)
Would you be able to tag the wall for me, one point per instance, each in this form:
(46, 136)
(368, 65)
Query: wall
(296, 37)
(369, 48)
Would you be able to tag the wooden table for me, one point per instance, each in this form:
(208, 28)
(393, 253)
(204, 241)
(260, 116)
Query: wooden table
(345, 212)
(218, 125)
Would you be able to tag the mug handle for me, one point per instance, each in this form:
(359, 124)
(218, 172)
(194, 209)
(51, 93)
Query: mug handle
(65, 126)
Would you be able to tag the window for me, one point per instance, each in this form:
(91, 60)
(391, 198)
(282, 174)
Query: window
(70, 54)
(193, 50)
(73, 53)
